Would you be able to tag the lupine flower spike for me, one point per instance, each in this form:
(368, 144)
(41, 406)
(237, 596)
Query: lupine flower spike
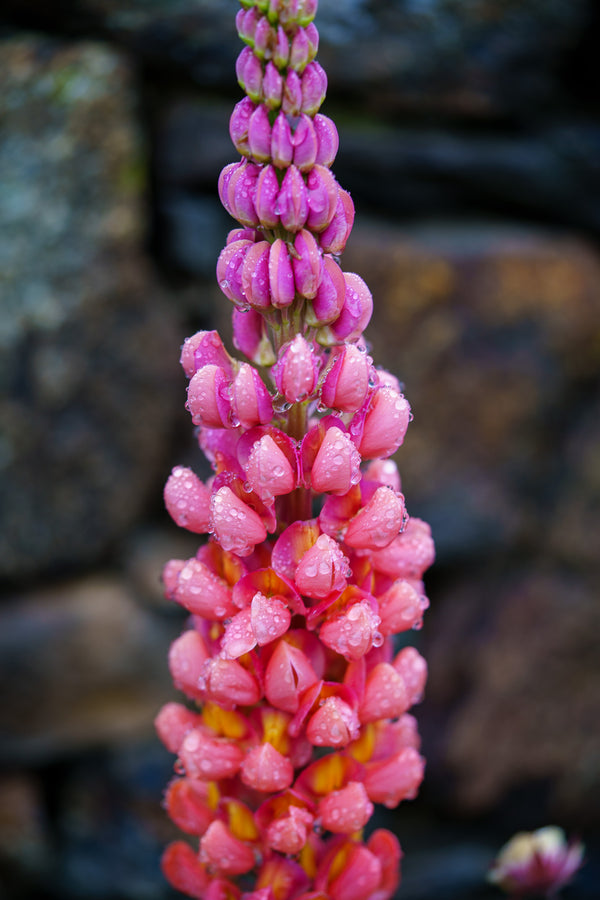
(296, 720)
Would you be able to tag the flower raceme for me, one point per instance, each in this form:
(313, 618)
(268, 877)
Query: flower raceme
(297, 717)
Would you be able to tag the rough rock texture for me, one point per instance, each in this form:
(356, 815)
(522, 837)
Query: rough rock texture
(482, 58)
(86, 667)
(496, 332)
(520, 707)
(86, 364)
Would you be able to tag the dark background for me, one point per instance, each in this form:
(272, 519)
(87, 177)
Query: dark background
(470, 141)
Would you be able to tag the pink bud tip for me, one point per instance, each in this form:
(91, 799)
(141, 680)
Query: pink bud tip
(337, 464)
(184, 871)
(307, 264)
(208, 397)
(259, 135)
(385, 695)
(334, 724)
(266, 202)
(409, 555)
(327, 140)
(255, 275)
(251, 400)
(225, 853)
(288, 834)
(346, 381)
(249, 74)
(186, 804)
(322, 198)
(356, 311)
(202, 592)
(239, 637)
(281, 50)
(229, 684)
(314, 88)
(282, 149)
(412, 667)
(187, 656)
(395, 779)
(384, 471)
(291, 103)
(229, 270)
(360, 877)
(203, 348)
(209, 758)
(269, 617)
(401, 607)
(331, 293)
(378, 523)
(269, 471)
(281, 275)
(305, 144)
(173, 723)
(385, 424)
(352, 633)
(296, 370)
(288, 674)
(272, 87)
(187, 500)
(292, 201)
(346, 810)
(237, 527)
(322, 569)
(333, 238)
(238, 126)
(265, 769)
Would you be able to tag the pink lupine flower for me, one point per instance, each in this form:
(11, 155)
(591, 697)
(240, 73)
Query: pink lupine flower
(537, 862)
(300, 719)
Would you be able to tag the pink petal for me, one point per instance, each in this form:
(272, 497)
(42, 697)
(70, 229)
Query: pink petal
(237, 527)
(337, 464)
(187, 500)
(265, 769)
(385, 696)
(239, 637)
(209, 758)
(378, 523)
(322, 569)
(346, 810)
(412, 667)
(268, 470)
(220, 850)
(353, 633)
(270, 618)
(288, 674)
(229, 684)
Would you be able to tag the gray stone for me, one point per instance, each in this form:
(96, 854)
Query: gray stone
(83, 665)
(87, 359)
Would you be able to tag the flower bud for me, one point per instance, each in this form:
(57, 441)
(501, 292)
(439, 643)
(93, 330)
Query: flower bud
(241, 189)
(272, 87)
(269, 618)
(282, 149)
(264, 38)
(250, 337)
(337, 464)
(224, 179)
(249, 74)
(356, 311)
(265, 200)
(173, 723)
(203, 348)
(208, 397)
(229, 684)
(265, 769)
(225, 853)
(384, 471)
(396, 778)
(328, 302)
(307, 10)
(333, 239)
(334, 724)
(259, 135)
(246, 21)
(385, 695)
(299, 51)
(202, 592)
(229, 270)
(291, 101)
(359, 877)
(307, 264)
(322, 569)
(312, 36)
(289, 672)
(281, 50)
(412, 667)
(187, 500)
(385, 424)
(238, 125)
(289, 834)
(346, 810)
(296, 370)
(187, 656)
(401, 607)
(353, 632)
(328, 141)
(184, 871)
(251, 400)
(255, 276)
(314, 88)
(269, 471)
(322, 197)
(305, 144)
(377, 523)
(409, 555)
(281, 275)
(186, 803)
(243, 234)
(239, 637)
(237, 527)
(292, 202)
(346, 381)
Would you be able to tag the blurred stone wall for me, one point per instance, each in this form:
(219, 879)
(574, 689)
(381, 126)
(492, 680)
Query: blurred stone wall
(470, 141)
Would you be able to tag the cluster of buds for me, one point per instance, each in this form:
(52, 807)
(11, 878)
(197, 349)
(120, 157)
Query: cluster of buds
(298, 715)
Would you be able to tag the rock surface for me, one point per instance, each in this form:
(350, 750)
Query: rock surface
(86, 363)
